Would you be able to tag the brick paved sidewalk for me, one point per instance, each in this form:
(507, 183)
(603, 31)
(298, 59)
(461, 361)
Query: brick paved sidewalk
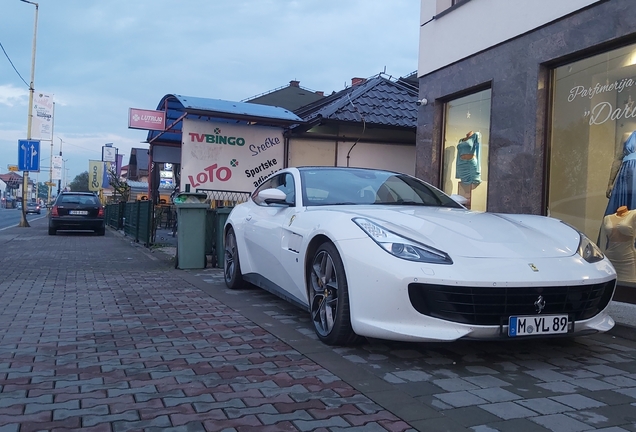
(100, 335)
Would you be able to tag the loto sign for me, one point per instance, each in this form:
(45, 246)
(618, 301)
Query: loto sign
(229, 157)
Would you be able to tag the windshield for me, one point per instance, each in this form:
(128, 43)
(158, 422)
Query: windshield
(78, 199)
(342, 186)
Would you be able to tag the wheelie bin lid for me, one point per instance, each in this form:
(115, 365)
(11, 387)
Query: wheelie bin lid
(191, 198)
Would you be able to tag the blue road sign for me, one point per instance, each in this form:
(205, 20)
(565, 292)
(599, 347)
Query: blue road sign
(29, 155)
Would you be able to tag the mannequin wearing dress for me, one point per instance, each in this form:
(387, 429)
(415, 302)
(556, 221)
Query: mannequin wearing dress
(618, 233)
(467, 165)
(622, 185)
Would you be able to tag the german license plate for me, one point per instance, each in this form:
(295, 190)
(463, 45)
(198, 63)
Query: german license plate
(78, 212)
(537, 325)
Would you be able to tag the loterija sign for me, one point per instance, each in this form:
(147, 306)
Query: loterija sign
(146, 119)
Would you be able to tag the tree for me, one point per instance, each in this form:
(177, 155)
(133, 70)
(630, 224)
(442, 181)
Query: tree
(121, 189)
(43, 191)
(80, 183)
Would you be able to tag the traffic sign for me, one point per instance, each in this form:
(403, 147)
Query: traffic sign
(49, 183)
(12, 168)
(29, 155)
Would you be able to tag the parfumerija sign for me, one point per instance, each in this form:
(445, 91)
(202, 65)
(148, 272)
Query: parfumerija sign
(228, 157)
(604, 111)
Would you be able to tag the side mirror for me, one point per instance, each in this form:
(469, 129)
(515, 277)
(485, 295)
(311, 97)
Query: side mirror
(273, 196)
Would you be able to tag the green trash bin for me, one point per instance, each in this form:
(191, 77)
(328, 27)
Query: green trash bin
(191, 213)
(221, 215)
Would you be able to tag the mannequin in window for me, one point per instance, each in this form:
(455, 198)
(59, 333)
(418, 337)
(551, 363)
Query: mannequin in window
(467, 164)
(618, 233)
(621, 189)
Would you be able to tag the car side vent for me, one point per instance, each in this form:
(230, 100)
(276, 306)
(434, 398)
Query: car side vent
(294, 242)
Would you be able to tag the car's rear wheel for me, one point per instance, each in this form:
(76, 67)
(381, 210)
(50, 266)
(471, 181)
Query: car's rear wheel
(52, 231)
(231, 264)
(330, 308)
(101, 231)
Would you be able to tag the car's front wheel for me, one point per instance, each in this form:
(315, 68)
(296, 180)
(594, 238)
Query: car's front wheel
(231, 264)
(330, 308)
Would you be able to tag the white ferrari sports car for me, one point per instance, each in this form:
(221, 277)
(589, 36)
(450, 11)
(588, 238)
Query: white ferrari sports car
(372, 253)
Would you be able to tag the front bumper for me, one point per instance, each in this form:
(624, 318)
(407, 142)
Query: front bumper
(381, 306)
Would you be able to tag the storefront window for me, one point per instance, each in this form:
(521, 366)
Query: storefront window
(465, 170)
(592, 171)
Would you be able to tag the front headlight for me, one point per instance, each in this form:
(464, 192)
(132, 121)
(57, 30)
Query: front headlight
(588, 250)
(402, 247)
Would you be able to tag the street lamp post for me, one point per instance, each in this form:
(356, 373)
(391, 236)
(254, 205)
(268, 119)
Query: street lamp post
(48, 197)
(64, 171)
(59, 181)
(25, 179)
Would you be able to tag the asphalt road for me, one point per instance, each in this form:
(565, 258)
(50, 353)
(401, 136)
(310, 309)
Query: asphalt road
(99, 333)
(11, 217)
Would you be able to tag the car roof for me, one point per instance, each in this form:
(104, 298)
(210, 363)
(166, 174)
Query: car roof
(77, 193)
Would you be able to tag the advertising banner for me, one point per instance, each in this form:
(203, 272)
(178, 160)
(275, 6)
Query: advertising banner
(120, 158)
(42, 120)
(146, 119)
(95, 175)
(57, 168)
(228, 157)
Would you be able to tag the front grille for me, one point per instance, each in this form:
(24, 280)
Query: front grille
(491, 305)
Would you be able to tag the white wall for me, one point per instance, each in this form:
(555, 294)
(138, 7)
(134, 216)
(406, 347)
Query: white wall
(480, 24)
(390, 157)
(393, 157)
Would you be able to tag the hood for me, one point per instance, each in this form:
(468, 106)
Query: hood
(465, 233)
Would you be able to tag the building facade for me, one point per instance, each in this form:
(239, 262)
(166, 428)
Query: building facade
(530, 109)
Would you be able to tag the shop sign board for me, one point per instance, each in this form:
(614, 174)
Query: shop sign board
(146, 119)
(228, 157)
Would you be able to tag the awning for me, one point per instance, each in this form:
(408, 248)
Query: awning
(178, 107)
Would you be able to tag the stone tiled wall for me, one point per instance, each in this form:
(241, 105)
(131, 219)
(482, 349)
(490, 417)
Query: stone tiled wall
(518, 72)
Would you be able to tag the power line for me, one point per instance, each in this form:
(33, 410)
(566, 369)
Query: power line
(16, 71)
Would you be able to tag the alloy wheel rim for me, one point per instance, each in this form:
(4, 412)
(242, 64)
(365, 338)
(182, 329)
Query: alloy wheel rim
(230, 257)
(324, 286)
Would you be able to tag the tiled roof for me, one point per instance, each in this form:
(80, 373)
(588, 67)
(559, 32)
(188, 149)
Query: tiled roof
(378, 101)
(11, 179)
(290, 97)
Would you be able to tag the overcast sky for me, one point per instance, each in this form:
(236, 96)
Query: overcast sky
(99, 58)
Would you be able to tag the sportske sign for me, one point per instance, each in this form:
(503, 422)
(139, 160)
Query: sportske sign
(146, 119)
(228, 157)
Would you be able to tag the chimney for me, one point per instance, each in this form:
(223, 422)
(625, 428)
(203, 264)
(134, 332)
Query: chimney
(356, 81)
(320, 93)
(294, 83)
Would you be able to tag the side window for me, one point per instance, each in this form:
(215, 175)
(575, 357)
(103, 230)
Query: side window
(287, 186)
(271, 183)
(284, 182)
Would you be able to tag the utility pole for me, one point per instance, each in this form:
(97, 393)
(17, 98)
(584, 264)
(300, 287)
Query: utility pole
(48, 199)
(25, 178)
(59, 181)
